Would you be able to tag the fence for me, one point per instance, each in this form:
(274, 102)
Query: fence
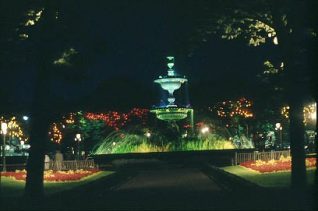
(70, 165)
(52, 165)
(265, 156)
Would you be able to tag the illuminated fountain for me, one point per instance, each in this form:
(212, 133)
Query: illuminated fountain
(170, 83)
(130, 142)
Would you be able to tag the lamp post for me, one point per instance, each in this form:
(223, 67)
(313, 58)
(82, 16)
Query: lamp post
(279, 128)
(78, 139)
(4, 130)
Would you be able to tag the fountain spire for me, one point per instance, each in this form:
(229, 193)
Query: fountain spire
(171, 82)
(170, 64)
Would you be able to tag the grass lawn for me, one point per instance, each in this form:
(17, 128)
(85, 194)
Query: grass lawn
(13, 188)
(276, 179)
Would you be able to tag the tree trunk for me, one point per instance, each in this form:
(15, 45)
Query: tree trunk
(292, 46)
(43, 40)
(35, 166)
(298, 91)
(39, 131)
(297, 132)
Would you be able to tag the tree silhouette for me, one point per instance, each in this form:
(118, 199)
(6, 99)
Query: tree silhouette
(40, 35)
(289, 27)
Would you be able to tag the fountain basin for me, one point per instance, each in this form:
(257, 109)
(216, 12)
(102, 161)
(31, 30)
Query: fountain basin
(170, 83)
(171, 113)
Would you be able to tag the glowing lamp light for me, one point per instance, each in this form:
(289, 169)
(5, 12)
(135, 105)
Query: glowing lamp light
(25, 118)
(4, 128)
(148, 134)
(278, 126)
(205, 130)
(78, 137)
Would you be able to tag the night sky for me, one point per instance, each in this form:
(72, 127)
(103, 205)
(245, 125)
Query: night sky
(123, 46)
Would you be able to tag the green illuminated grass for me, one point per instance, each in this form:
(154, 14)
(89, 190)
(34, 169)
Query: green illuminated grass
(14, 188)
(276, 179)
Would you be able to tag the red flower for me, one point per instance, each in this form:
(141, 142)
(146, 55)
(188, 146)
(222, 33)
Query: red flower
(275, 165)
(54, 176)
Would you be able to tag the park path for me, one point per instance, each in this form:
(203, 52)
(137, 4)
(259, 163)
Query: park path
(164, 187)
(173, 179)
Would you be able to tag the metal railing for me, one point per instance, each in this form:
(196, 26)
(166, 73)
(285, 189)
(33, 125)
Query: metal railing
(54, 165)
(265, 156)
(70, 165)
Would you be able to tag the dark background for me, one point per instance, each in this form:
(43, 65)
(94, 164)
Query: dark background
(122, 47)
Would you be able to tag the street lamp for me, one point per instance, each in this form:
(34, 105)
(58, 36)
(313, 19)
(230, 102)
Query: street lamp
(279, 128)
(148, 134)
(205, 130)
(4, 130)
(78, 139)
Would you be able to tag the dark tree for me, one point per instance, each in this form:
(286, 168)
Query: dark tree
(43, 41)
(287, 25)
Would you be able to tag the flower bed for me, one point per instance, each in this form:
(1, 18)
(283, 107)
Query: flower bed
(283, 164)
(54, 176)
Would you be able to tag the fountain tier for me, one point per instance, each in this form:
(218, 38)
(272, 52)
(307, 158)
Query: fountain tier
(170, 83)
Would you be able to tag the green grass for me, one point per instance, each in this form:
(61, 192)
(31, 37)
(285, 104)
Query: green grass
(11, 187)
(276, 179)
(14, 188)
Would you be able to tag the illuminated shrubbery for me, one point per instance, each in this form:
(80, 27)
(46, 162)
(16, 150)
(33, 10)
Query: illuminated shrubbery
(209, 142)
(122, 142)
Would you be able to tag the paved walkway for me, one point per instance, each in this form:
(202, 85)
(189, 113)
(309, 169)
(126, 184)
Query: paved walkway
(179, 179)
(168, 187)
